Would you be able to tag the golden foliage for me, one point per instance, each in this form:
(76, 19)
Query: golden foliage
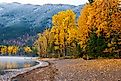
(9, 49)
(61, 35)
(3, 49)
(102, 15)
(42, 42)
(27, 49)
(64, 28)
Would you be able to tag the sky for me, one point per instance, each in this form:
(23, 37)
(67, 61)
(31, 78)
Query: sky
(40, 2)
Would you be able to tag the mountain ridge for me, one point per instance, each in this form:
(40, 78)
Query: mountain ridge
(19, 21)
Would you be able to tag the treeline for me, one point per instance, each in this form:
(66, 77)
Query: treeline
(17, 50)
(61, 39)
(97, 33)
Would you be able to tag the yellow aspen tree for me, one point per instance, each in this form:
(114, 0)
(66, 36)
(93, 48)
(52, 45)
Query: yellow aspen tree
(41, 44)
(10, 49)
(102, 15)
(27, 49)
(15, 49)
(62, 34)
(3, 49)
(63, 22)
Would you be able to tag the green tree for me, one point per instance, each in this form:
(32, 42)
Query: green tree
(96, 45)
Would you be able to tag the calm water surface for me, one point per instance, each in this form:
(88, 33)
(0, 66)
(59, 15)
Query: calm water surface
(16, 62)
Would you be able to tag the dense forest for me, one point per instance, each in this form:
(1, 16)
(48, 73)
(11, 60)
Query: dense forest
(95, 33)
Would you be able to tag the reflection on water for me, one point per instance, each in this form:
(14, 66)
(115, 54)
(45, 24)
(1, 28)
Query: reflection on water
(15, 63)
(8, 65)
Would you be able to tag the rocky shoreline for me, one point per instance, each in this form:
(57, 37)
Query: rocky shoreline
(10, 73)
(75, 70)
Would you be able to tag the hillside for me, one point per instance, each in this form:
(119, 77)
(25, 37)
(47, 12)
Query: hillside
(20, 23)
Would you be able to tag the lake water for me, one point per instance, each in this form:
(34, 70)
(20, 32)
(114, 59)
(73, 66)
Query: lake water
(16, 62)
